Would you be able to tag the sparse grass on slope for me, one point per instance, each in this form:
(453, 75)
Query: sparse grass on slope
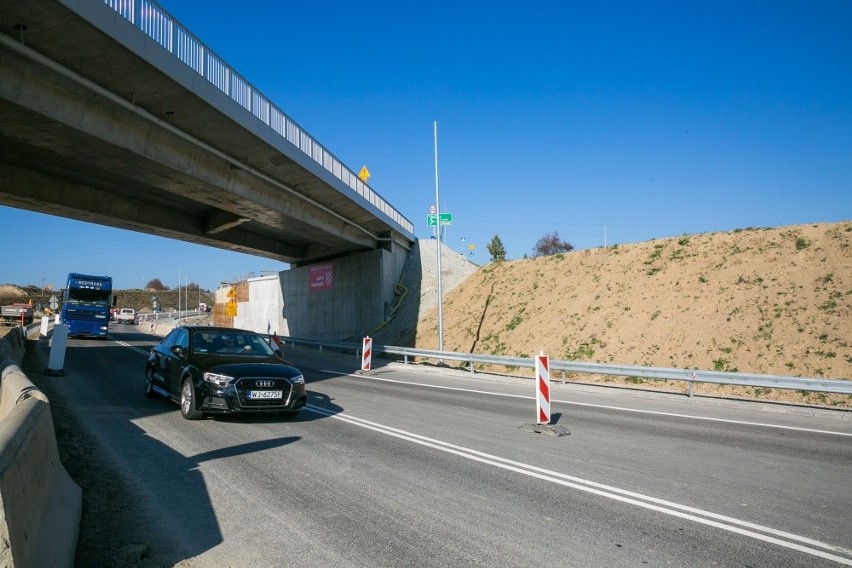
(770, 301)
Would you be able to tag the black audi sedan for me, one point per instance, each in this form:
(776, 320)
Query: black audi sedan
(222, 370)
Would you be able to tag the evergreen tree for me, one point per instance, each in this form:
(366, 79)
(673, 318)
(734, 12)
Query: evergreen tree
(496, 249)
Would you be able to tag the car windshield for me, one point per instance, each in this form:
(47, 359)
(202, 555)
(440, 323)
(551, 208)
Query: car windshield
(230, 343)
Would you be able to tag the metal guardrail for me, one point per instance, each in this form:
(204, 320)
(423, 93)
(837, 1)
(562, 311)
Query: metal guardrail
(166, 315)
(34, 328)
(690, 376)
(161, 27)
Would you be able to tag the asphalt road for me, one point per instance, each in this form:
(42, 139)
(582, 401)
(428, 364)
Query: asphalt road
(411, 466)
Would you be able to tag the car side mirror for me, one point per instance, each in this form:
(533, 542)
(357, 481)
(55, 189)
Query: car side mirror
(279, 353)
(177, 350)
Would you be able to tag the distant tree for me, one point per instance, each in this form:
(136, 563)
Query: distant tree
(193, 287)
(496, 249)
(155, 284)
(551, 244)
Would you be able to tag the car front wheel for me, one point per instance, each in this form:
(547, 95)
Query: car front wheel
(188, 406)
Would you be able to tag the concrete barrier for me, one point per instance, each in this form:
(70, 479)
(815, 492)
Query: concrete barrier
(12, 347)
(39, 502)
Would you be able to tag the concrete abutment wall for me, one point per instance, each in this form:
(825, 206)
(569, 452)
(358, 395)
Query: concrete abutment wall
(341, 298)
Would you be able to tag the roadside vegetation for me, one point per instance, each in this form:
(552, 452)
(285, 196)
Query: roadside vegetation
(759, 300)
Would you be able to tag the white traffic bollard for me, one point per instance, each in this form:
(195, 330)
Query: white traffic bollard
(45, 326)
(57, 351)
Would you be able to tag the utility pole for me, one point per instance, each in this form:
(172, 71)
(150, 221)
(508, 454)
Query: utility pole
(438, 237)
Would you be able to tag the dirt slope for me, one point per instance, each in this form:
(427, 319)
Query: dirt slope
(772, 301)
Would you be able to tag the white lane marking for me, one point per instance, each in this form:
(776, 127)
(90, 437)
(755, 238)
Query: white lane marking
(133, 347)
(745, 528)
(591, 405)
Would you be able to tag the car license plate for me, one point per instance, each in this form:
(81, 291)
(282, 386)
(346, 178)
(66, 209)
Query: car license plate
(254, 395)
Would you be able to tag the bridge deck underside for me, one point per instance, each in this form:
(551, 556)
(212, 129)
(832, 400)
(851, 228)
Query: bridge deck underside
(96, 132)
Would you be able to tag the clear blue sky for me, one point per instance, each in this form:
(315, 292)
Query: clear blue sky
(623, 121)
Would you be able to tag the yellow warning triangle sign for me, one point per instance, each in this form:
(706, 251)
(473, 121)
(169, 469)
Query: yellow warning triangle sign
(364, 174)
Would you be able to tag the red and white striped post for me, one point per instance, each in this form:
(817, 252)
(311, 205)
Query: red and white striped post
(542, 389)
(367, 354)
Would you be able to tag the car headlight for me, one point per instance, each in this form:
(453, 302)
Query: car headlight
(217, 379)
(298, 380)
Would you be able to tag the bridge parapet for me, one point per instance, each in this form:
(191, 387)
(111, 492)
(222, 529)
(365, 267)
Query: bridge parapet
(161, 27)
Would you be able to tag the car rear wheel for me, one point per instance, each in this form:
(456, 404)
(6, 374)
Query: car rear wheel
(149, 382)
(188, 406)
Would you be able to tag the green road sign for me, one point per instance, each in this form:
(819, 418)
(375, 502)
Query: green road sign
(446, 219)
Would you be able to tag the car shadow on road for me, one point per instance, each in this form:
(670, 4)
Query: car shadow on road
(243, 449)
(97, 446)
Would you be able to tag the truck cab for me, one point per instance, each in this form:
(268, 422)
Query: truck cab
(85, 305)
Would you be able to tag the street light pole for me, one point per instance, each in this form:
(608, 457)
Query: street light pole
(438, 236)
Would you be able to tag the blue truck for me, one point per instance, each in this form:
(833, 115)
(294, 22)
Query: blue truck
(86, 303)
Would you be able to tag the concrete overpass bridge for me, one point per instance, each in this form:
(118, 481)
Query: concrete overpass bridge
(112, 112)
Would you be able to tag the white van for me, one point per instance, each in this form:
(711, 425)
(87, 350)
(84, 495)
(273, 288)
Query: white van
(126, 315)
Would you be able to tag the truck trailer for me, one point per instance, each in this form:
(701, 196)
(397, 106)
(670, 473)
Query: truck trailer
(16, 314)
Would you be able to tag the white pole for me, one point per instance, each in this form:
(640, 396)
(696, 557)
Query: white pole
(58, 342)
(438, 234)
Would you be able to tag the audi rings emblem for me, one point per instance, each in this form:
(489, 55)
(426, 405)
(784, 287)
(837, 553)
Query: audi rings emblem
(264, 383)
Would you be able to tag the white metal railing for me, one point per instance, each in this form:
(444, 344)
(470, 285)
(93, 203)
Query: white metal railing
(157, 24)
(690, 376)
